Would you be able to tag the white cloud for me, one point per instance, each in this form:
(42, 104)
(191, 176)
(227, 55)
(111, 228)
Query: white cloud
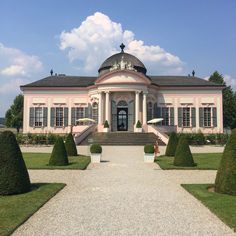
(98, 37)
(12, 86)
(230, 81)
(14, 62)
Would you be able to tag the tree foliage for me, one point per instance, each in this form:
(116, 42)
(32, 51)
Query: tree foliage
(229, 101)
(226, 175)
(14, 115)
(14, 177)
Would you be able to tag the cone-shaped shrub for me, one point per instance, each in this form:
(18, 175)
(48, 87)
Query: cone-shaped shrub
(172, 145)
(70, 145)
(226, 175)
(183, 155)
(14, 177)
(59, 155)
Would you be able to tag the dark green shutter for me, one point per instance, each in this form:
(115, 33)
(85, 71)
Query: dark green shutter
(193, 116)
(31, 117)
(180, 116)
(159, 112)
(201, 117)
(155, 110)
(86, 112)
(73, 116)
(65, 116)
(45, 116)
(172, 116)
(89, 111)
(52, 120)
(130, 116)
(214, 116)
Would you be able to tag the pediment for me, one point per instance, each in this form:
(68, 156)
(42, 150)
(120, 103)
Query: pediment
(123, 77)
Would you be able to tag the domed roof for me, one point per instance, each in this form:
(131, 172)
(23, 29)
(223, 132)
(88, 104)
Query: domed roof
(121, 61)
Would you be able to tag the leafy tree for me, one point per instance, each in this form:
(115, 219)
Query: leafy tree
(226, 175)
(229, 101)
(14, 116)
(14, 177)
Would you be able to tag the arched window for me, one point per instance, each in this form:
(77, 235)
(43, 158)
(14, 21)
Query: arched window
(149, 111)
(95, 112)
(122, 103)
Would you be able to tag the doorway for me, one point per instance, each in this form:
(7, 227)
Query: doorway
(122, 119)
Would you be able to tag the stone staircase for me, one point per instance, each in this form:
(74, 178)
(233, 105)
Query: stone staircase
(122, 139)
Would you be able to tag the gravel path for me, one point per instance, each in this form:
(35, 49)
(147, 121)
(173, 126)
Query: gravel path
(123, 196)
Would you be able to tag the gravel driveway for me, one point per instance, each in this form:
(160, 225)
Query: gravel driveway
(123, 196)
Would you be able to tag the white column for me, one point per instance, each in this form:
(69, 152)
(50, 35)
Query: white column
(144, 108)
(107, 107)
(136, 106)
(100, 108)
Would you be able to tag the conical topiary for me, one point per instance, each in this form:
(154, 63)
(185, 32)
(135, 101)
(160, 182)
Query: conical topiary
(226, 175)
(70, 145)
(172, 145)
(183, 155)
(59, 155)
(14, 177)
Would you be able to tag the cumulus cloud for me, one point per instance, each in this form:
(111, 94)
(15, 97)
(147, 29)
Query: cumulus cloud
(14, 62)
(230, 81)
(98, 37)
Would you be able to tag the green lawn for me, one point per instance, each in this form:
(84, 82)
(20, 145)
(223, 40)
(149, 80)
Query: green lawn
(205, 161)
(40, 161)
(223, 205)
(16, 209)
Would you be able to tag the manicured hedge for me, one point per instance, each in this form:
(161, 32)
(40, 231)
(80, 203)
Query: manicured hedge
(96, 148)
(172, 145)
(70, 145)
(106, 125)
(149, 148)
(139, 124)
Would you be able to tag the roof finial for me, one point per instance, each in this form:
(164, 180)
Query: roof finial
(193, 73)
(51, 72)
(122, 46)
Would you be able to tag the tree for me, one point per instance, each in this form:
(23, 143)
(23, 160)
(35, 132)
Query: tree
(70, 145)
(172, 145)
(59, 155)
(14, 177)
(183, 155)
(226, 175)
(14, 115)
(229, 101)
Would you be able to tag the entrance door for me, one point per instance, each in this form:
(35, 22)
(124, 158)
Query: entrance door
(122, 119)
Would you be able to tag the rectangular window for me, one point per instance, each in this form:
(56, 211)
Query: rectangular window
(207, 116)
(186, 117)
(165, 114)
(79, 113)
(38, 121)
(59, 116)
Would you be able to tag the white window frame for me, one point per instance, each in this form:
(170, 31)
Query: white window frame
(186, 123)
(59, 121)
(207, 117)
(166, 118)
(38, 117)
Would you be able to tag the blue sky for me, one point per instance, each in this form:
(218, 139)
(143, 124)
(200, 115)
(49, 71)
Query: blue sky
(170, 37)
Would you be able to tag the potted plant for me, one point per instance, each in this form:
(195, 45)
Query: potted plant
(139, 127)
(149, 153)
(96, 153)
(106, 127)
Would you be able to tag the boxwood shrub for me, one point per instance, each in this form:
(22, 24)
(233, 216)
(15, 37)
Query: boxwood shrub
(96, 148)
(138, 125)
(149, 148)
(106, 125)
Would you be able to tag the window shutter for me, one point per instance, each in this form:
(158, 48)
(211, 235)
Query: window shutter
(45, 116)
(73, 116)
(158, 112)
(89, 111)
(86, 112)
(155, 110)
(214, 116)
(180, 116)
(172, 116)
(193, 116)
(31, 118)
(201, 116)
(53, 110)
(65, 116)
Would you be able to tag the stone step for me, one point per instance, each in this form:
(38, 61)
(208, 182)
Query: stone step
(122, 138)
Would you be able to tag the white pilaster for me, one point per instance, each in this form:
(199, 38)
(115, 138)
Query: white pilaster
(136, 106)
(107, 107)
(100, 108)
(197, 102)
(144, 108)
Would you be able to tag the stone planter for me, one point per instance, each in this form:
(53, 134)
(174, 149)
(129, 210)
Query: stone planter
(105, 130)
(96, 157)
(138, 130)
(149, 157)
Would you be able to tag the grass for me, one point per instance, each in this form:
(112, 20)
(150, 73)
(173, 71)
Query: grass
(16, 209)
(205, 161)
(40, 161)
(222, 205)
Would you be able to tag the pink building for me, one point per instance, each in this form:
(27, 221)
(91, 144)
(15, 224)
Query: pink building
(122, 94)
